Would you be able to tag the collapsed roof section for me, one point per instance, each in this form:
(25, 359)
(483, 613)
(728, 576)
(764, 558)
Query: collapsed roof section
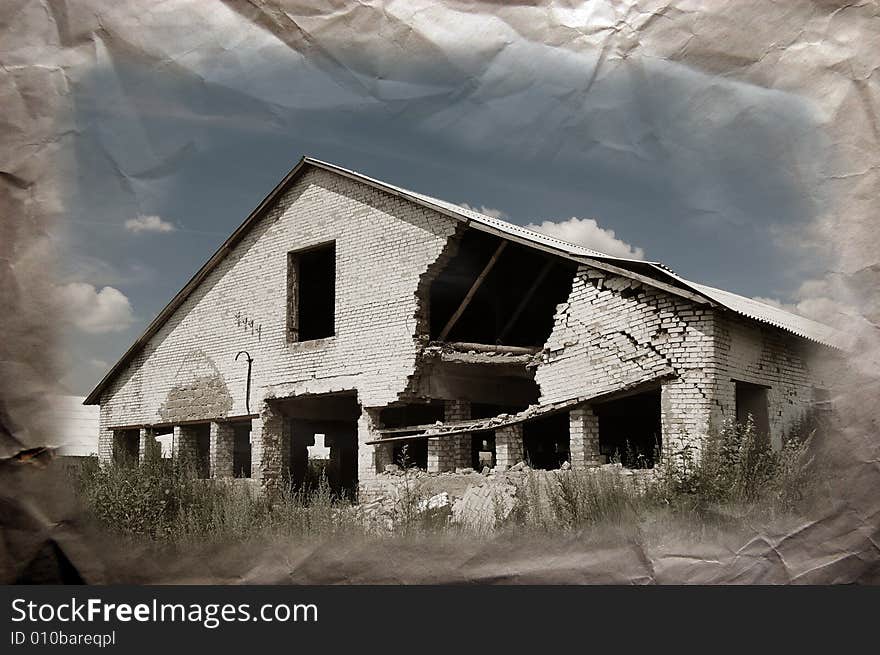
(753, 309)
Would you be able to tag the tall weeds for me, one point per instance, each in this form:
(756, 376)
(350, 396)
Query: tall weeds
(168, 501)
(736, 473)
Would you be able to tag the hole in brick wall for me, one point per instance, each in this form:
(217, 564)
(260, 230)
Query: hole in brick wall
(399, 416)
(311, 293)
(495, 314)
(241, 450)
(629, 429)
(483, 450)
(546, 441)
(165, 438)
(126, 445)
(483, 443)
(415, 453)
(751, 401)
(202, 442)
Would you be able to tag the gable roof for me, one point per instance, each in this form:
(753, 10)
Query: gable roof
(653, 273)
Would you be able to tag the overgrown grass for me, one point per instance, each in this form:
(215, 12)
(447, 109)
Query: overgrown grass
(167, 501)
(736, 475)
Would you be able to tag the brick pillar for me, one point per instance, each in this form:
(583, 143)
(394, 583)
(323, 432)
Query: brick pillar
(184, 444)
(583, 438)
(267, 454)
(459, 410)
(256, 448)
(105, 446)
(146, 441)
(371, 459)
(441, 454)
(222, 446)
(508, 446)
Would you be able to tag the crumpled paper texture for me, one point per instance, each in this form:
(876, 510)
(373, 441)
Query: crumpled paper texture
(396, 56)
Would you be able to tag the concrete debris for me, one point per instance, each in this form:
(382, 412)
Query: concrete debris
(434, 502)
(485, 506)
(478, 502)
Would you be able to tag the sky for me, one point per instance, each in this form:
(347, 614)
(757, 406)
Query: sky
(638, 157)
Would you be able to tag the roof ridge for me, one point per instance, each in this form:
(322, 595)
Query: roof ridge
(820, 333)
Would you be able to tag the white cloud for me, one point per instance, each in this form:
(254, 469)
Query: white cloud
(823, 300)
(587, 232)
(98, 363)
(150, 223)
(482, 209)
(94, 311)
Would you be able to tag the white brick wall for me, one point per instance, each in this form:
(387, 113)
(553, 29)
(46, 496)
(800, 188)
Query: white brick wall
(383, 246)
(760, 354)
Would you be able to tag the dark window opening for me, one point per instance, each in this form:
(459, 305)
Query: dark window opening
(546, 441)
(311, 293)
(399, 416)
(515, 302)
(629, 429)
(483, 450)
(751, 401)
(412, 453)
(483, 443)
(126, 447)
(202, 437)
(241, 450)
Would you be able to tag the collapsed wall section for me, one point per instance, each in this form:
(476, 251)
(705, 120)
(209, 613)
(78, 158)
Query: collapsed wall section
(614, 333)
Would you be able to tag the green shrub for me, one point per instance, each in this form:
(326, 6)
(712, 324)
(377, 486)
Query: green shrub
(736, 466)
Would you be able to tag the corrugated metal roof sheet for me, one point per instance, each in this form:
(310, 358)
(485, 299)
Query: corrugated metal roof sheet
(758, 311)
(798, 325)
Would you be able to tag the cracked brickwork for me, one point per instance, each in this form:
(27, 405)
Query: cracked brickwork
(615, 332)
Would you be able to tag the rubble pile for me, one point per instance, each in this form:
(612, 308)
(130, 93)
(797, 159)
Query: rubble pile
(477, 502)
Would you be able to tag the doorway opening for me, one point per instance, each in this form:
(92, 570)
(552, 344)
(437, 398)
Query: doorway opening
(331, 418)
(751, 402)
(630, 429)
(546, 441)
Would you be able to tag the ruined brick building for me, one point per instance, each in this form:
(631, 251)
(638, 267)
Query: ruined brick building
(376, 317)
